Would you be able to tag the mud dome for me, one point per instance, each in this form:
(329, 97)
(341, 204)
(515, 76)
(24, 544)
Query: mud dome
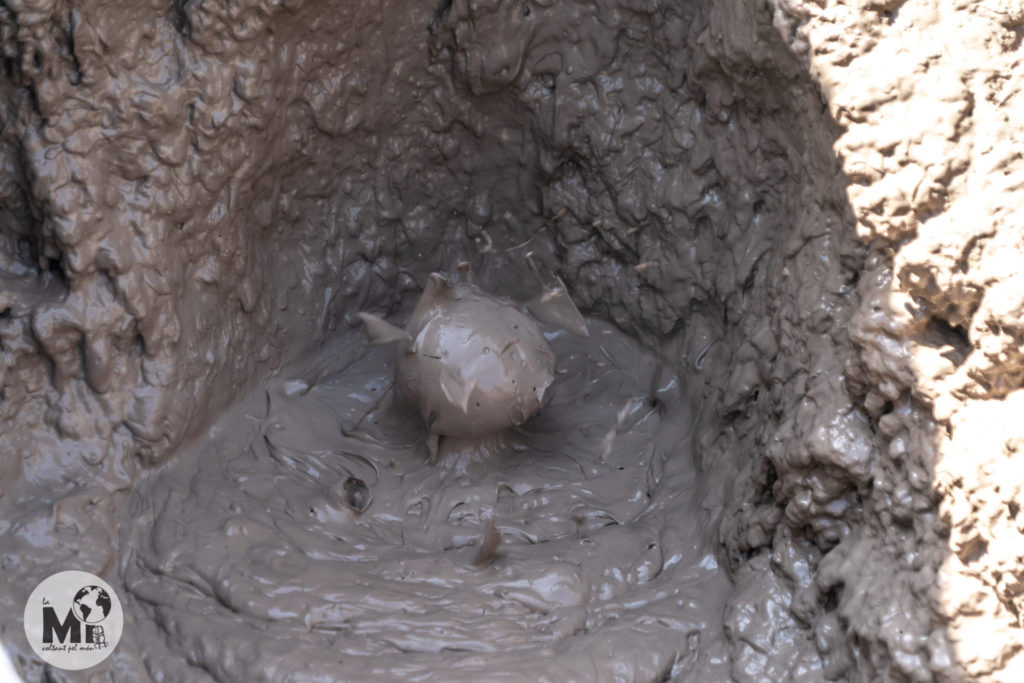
(787, 450)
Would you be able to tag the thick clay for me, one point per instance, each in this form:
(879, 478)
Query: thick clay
(802, 216)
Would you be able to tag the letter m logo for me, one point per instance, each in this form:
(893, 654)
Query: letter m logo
(52, 624)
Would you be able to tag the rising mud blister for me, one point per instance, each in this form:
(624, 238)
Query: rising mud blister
(252, 557)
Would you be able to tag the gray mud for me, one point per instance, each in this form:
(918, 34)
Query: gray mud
(605, 567)
(807, 210)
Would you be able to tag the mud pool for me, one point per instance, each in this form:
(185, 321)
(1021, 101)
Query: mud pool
(249, 534)
(788, 451)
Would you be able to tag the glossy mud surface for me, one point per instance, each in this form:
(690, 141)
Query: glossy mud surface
(250, 558)
(812, 207)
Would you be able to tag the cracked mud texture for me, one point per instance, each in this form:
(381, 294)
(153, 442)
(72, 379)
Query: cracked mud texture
(806, 209)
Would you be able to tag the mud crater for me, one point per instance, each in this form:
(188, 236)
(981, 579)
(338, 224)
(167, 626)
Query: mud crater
(269, 511)
(800, 329)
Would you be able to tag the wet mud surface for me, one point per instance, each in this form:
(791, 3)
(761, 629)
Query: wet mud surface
(310, 521)
(808, 209)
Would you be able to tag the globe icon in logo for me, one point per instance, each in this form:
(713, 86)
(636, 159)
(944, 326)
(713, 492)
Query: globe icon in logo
(91, 605)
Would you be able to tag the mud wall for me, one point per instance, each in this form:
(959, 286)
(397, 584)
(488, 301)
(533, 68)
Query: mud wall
(177, 164)
(803, 204)
(925, 92)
